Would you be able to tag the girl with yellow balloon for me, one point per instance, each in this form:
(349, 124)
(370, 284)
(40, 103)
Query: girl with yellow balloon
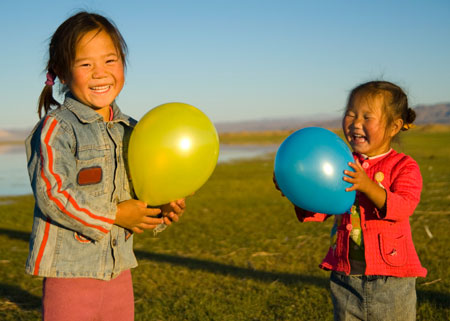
(172, 152)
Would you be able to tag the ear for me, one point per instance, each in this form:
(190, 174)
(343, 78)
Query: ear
(397, 125)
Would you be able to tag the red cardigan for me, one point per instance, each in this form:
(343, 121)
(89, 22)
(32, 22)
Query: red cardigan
(389, 249)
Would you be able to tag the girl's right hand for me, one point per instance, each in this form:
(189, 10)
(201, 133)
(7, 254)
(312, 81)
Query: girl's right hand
(301, 212)
(135, 216)
(276, 184)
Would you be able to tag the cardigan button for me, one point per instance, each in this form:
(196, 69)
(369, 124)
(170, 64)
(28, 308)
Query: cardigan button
(349, 227)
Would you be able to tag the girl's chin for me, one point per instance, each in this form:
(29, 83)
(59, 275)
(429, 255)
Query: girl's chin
(359, 148)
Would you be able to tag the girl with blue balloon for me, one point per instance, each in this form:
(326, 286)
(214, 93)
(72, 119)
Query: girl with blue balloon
(372, 257)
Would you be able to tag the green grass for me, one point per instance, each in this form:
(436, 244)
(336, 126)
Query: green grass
(239, 253)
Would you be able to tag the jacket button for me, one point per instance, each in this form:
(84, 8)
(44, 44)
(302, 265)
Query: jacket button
(114, 242)
(365, 165)
(349, 227)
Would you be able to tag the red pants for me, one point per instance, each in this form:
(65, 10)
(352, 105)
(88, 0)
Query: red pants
(67, 299)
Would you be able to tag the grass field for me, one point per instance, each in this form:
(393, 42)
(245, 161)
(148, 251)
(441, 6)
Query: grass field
(238, 253)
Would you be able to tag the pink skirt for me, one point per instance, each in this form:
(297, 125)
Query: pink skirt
(88, 299)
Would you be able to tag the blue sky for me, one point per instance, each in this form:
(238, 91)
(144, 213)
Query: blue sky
(240, 60)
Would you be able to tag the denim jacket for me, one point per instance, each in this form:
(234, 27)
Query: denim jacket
(77, 168)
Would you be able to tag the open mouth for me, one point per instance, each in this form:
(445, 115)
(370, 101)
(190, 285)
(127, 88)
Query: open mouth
(100, 89)
(358, 139)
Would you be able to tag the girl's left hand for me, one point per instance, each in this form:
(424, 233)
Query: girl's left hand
(172, 211)
(361, 182)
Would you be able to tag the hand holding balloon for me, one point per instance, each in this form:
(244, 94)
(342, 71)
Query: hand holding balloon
(172, 211)
(135, 216)
(362, 183)
(276, 184)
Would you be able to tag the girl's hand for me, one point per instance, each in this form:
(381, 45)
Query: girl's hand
(362, 183)
(276, 184)
(301, 212)
(172, 211)
(135, 216)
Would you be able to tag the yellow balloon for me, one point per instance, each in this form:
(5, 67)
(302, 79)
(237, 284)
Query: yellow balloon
(173, 150)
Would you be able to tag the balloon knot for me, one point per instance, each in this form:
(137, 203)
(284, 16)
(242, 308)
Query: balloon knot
(159, 228)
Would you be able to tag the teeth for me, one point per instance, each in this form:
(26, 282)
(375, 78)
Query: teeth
(359, 138)
(100, 88)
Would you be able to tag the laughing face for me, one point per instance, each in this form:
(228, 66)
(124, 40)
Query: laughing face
(97, 74)
(365, 126)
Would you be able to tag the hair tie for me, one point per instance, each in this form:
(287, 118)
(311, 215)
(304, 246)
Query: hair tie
(408, 126)
(50, 79)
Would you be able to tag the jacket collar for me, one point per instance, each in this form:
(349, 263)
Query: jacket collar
(373, 159)
(87, 115)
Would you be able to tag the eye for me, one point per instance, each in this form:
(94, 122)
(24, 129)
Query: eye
(83, 65)
(112, 60)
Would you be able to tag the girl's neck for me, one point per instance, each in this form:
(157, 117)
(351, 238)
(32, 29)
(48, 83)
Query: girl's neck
(376, 156)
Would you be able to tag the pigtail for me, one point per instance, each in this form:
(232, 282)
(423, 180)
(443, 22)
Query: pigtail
(46, 100)
(408, 119)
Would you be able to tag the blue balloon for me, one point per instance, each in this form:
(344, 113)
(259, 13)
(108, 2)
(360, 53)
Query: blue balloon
(309, 167)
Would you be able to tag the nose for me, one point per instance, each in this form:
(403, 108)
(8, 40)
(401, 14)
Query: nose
(98, 72)
(357, 122)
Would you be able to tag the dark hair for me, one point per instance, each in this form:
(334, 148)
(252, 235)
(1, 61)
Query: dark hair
(395, 101)
(63, 45)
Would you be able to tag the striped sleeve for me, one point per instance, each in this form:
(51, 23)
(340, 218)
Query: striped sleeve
(63, 201)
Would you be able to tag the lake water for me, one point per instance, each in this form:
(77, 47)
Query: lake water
(14, 176)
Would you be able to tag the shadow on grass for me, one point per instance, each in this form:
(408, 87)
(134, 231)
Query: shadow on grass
(13, 234)
(439, 299)
(20, 297)
(27, 300)
(236, 271)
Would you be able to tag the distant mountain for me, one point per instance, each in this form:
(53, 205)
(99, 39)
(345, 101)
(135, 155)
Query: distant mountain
(275, 124)
(434, 114)
(425, 114)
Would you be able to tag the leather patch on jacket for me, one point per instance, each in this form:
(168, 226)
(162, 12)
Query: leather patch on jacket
(90, 175)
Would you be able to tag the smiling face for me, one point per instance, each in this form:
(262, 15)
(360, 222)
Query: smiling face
(97, 73)
(365, 125)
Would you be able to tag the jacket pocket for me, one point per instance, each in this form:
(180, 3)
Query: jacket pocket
(393, 249)
(81, 238)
